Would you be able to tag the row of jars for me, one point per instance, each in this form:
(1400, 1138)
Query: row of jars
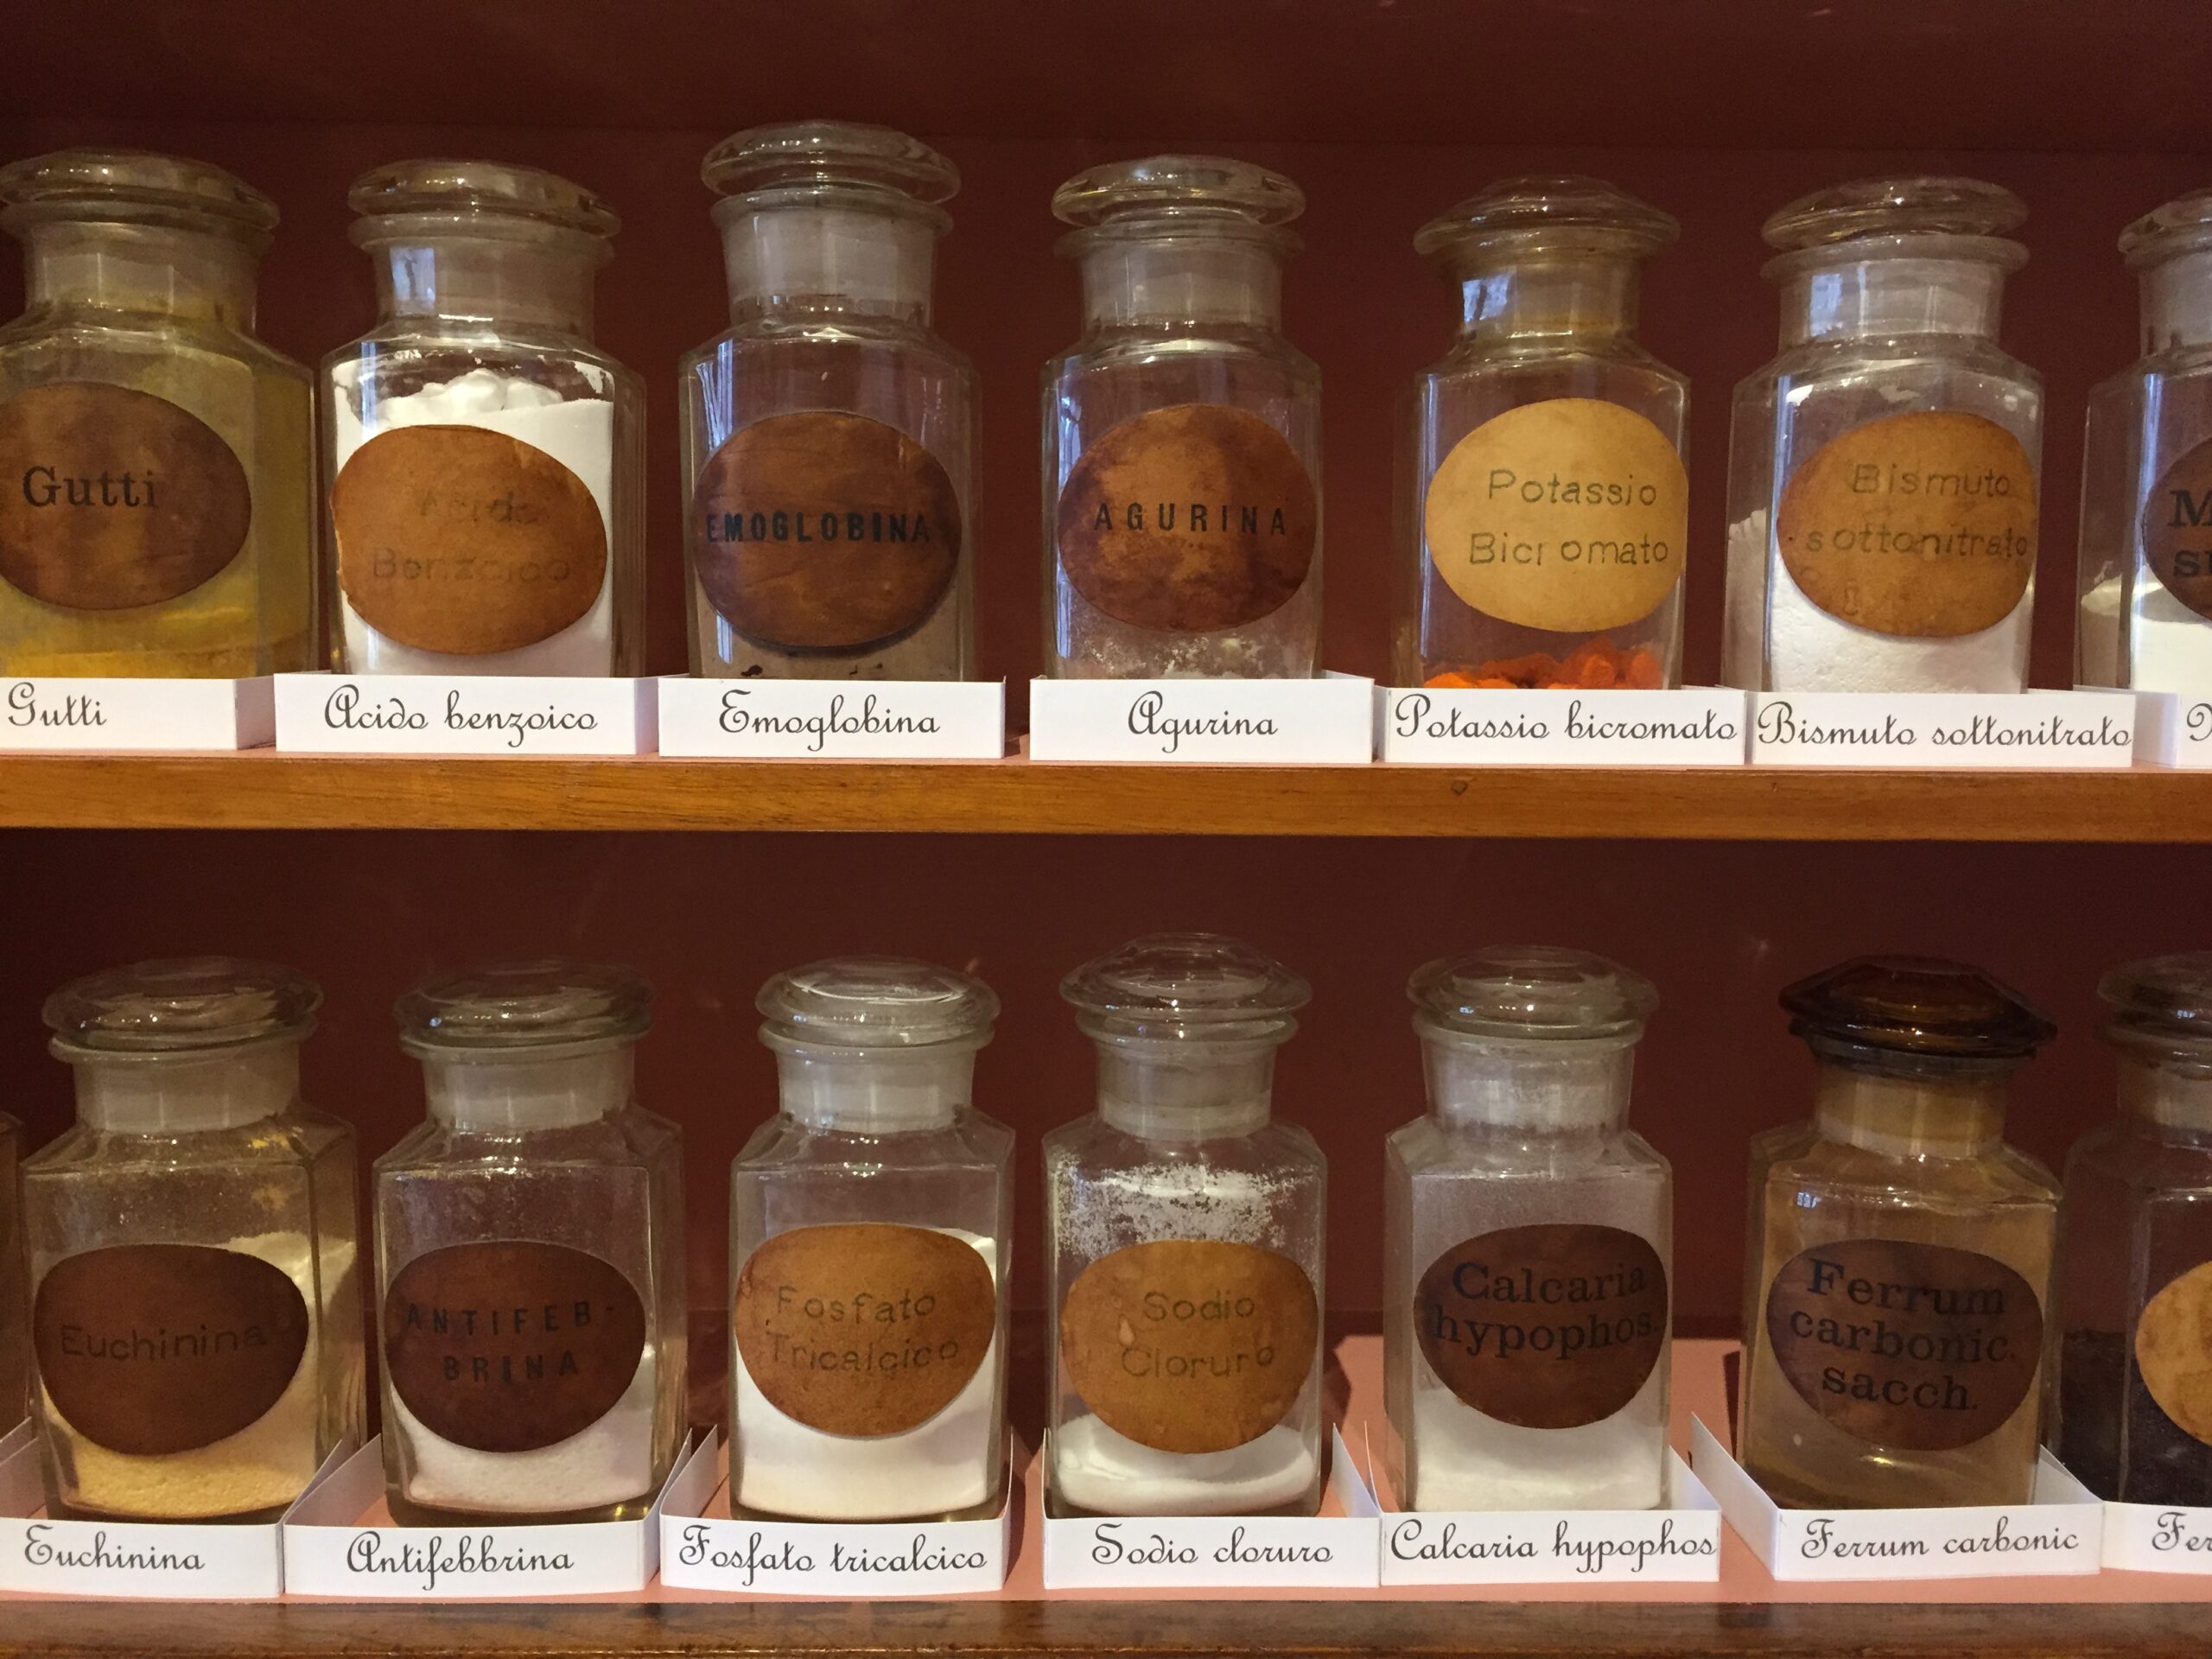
(195, 1321)
(481, 505)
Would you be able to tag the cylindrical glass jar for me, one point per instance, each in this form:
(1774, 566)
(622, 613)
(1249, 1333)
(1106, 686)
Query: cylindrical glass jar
(829, 435)
(15, 1340)
(1545, 524)
(2145, 617)
(1527, 1243)
(1185, 1232)
(486, 513)
(2135, 1251)
(1884, 467)
(195, 1318)
(1900, 1251)
(154, 455)
(876, 1200)
(1182, 432)
(529, 1256)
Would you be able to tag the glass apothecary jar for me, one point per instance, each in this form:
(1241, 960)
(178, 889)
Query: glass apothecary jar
(1884, 465)
(1900, 1251)
(2145, 619)
(829, 433)
(486, 513)
(195, 1317)
(1182, 432)
(1546, 525)
(1183, 1230)
(1528, 1240)
(2135, 1253)
(870, 1225)
(154, 520)
(529, 1256)
(15, 1340)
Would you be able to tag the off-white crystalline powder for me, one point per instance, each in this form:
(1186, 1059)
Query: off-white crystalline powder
(1470, 1461)
(609, 1463)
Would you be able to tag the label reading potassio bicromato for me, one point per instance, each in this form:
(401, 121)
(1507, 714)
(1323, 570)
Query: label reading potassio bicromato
(1918, 524)
(112, 498)
(2177, 529)
(1189, 519)
(1190, 1344)
(2173, 1351)
(1919, 1347)
(865, 1328)
(152, 1349)
(512, 1346)
(463, 540)
(1549, 1327)
(823, 531)
(1570, 515)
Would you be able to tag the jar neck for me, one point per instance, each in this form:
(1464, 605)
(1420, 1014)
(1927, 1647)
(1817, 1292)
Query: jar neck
(204, 276)
(1541, 299)
(184, 1094)
(486, 280)
(1892, 294)
(826, 261)
(2169, 1093)
(1186, 1091)
(521, 1094)
(875, 1091)
(1921, 1115)
(1529, 1087)
(1181, 281)
(2177, 301)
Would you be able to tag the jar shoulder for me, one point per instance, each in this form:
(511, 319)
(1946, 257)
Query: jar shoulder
(405, 351)
(1808, 1161)
(2135, 1153)
(771, 338)
(785, 1145)
(26, 339)
(1621, 358)
(300, 1136)
(1426, 1148)
(1090, 1145)
(1125, 350)
(632, 1138)
(1811, 366)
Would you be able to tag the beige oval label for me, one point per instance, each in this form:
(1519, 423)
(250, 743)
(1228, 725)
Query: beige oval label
(152, 1349)
(2173, 1351)
(1189, 519)
(864, 1329)
(1549, 1327)
(825, 531)
(2177, 529)
(1919, 1347)
(112, 498)
(1570, 515)
(463, 540)
(1919, 525)
(1190, 1344)
(512, 1346)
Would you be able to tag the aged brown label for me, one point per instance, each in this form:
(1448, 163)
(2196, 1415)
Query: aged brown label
(2177, 529)
(512, 1346)
(1919, 1347)
(1188, 519)
(864, 1329)
(1548, 1326)
(1572, 514)
(2173, 1351)
(460, 539)
(1190, 1344)
(148, 1348)
(111, 497)
(1922, 524)
(825, 531)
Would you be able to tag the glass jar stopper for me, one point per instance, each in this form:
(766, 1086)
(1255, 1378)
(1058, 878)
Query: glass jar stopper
(806, 161)
(1532, 992)
(1917, 1006)
(190, 1004)
(1565, 210)
(2182, 225)
(2162, 1003)
(494, 189)
(1167, 187)
(498, 1012)
(133, 184)
(1187, 987)
(1897, 206)
(868, 1003)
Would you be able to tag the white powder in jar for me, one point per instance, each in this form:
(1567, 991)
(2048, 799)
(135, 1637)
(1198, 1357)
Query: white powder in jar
(1467, 1461)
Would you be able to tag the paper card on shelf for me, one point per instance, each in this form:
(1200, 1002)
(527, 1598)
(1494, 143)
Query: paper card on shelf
(93, 715)
(2172, 730)
(2038, 731)
(1690, 726)
(1336, 1550)
(448, 714)
(155, 1561)
(1330, 720)
(848, 1560)
(838, 719)
(2157, 1538)
(2060, 1533)
(331, 1549)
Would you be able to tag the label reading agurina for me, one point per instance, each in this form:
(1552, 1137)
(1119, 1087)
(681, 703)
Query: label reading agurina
(1548, 1326)
(1920, 525)
(864, 1328)
(1919, 1347)
(1190, 1344)
(2173, 1351)
(2177, 529)
(1571, 515)
(1189, 519)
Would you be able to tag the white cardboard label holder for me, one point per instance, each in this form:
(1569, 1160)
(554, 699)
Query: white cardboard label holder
(452, 714)
(2172, 730)
(2157, 1538)
(2087, 730)
(52, 715)
(835, 719)
(1324, 721)
(1688, 726)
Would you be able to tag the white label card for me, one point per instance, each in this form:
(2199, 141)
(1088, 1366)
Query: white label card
(843, 720)
(2173, 730)
(1693, 726)
(2040, 731)
(1289, 723)
(93, 715)
(443, 713)
(2157, 1538)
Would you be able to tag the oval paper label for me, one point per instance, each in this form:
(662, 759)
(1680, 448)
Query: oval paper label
(825, 531)
(1918, 1346)
(2178, 530)
(151, 1349)
(1190, 1344)
(1570, 515)
(110, 498)
(1550, 1326)
(512, 1346)
(1920, 525)
(864, 1329)
(2173, 1351)
(1189, 519)
(463, 540)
